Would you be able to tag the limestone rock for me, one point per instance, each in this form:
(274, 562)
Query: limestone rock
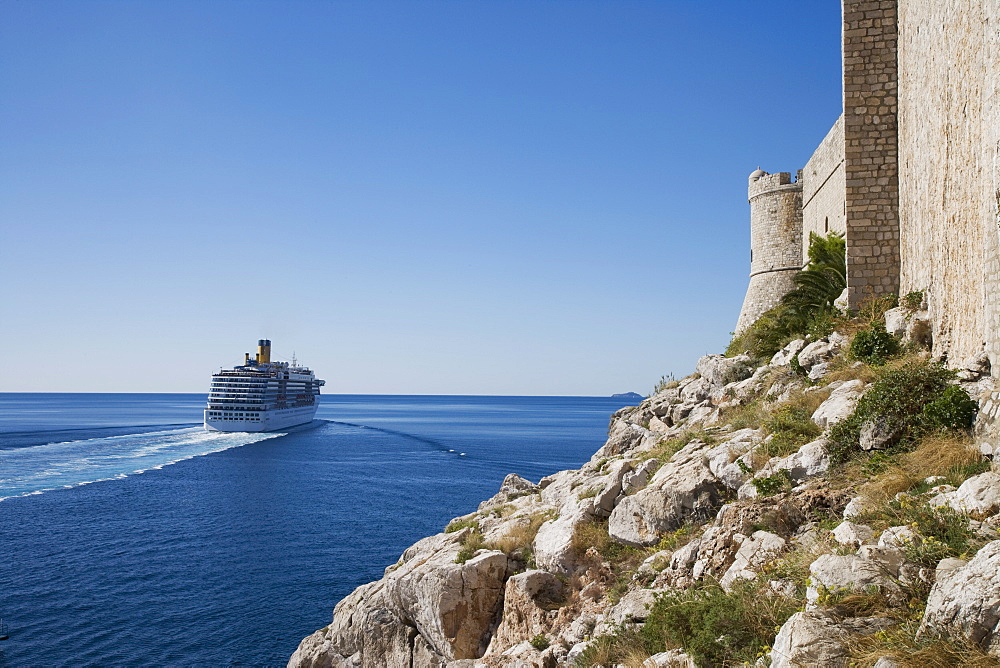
(528, 599)
(696, 391)
(978, 494)
(784, 356)
(633, 607)
(878, 433)
(819, 351)
(818, 370)
(809, 461)
(853, 535)
(448, 607)
(840, 404)
(605, 500)
(815, 638)
(554, 540)
(673, 658)
(897, 320)
(873, 566)
(966, 601)
(513, 486)
(899, 536)
(719, 370)
(683, 488)
(638, 478)
(759, 549)
(624, 436)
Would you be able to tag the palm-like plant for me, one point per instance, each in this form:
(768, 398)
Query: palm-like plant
(824, 278)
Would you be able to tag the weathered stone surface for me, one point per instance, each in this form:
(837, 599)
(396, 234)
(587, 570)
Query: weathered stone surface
(722, 458)
(513, 486)
(978, 494)
(529, 598)
(554, 540)
(633, 607)
(896, 321)
(815, 638)
(450, 606)
(605, 500)
(683, 488)
(878, 433)
(719, 370)
(757, 550)
(818, 352)
(624, 436)
(784, 356)
(637, 479)
(840, 404)
(873, 566)
(965, 601)
(809, 461)
(853, 535)
(674, 658)
(899, 536)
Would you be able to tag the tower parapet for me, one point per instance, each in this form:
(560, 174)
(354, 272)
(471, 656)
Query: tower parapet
(775, 241)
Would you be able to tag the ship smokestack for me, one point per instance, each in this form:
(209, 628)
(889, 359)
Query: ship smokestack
(264, 351)
(246, 358)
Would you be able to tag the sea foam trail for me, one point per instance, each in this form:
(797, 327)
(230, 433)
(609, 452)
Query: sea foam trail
(43, 468)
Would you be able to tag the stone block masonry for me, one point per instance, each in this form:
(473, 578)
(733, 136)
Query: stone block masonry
(871, 148)
(775, 242)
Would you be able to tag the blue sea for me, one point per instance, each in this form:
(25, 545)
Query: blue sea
(130, 536)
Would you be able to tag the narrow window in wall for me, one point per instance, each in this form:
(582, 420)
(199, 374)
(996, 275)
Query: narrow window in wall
(826, 225)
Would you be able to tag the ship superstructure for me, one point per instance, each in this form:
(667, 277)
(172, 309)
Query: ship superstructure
(261, 395)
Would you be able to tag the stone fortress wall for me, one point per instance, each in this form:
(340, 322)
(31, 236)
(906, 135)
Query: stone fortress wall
(775, 241)
(823, 188)
(911, 171)
(948, 168)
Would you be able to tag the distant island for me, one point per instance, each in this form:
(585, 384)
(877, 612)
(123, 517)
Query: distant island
(628, 395)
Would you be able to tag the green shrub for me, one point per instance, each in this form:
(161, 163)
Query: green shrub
(540, 642)
(912, 301)
(945, 532)
(471, 543)
(806, 310)
(874, 345)
(953, 409)
(714, 626)
(772, 484)
(458, 525)
(900, 396)
(791, 427)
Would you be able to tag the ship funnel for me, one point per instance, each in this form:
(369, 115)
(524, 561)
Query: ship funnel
(264, 351)
(246, 358)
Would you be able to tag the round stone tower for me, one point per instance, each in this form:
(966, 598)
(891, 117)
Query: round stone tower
(775, 241)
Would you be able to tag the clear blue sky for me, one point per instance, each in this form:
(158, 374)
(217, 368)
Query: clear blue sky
(490, 197)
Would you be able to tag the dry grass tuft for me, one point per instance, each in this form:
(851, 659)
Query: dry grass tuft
(944, 454)
(522, 535)
(901, 644)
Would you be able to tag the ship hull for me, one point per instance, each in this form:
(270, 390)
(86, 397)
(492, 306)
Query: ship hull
(274, 419)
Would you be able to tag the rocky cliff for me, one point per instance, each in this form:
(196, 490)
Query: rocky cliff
(726, 520)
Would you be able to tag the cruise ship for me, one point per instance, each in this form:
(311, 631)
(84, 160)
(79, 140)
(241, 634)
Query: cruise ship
(262, 395)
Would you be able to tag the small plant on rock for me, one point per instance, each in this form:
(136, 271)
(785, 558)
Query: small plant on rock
(772, 484)
(540, 642)
(874, 345)
(898, 399)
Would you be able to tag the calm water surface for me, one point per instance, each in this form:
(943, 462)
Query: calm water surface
(202, 549)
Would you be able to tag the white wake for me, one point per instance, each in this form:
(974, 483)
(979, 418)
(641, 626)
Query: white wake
(42, 468)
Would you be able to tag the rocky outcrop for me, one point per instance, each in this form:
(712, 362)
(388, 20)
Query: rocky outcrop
(814, 638)
(685, 488)
(839, 404)
(965, 601)
(549, 577)
(427, 608)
